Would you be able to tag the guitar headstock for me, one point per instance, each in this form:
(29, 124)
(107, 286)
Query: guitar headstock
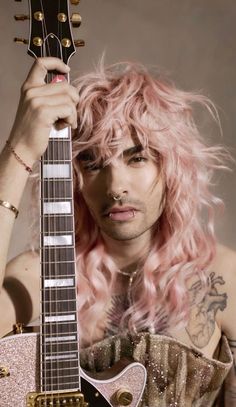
(50, 29)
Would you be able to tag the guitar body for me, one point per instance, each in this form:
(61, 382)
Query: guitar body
(20, 355)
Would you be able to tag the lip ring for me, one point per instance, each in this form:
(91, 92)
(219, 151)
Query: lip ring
(129, 210)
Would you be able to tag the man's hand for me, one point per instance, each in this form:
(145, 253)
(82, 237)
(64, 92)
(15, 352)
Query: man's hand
(41, 106)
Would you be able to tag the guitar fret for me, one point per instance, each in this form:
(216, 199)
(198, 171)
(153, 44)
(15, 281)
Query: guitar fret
(57, 254)
(52, 349)
(58, 294)
(60, 270)
(65, 376)
(74, 386)
(50, 334)
(57, 224)
(60, 384)
(58, 307)
(59, 328)
(55, 247)
(56, 314)
(56, 188)
(59, 302)
(57, 262)
(56, 233)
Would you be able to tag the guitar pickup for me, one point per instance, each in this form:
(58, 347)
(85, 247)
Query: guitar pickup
(69, 399)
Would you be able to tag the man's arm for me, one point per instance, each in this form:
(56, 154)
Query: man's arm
(227, 263)
(19, 299)
(41, 106)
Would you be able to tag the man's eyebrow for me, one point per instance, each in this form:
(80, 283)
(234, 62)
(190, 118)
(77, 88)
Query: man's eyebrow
(133, 150)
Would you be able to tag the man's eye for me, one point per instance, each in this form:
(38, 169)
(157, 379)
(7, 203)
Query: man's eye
(138, 159)
(92, 167)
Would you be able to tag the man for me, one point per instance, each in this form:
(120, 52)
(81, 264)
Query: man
(153, 284)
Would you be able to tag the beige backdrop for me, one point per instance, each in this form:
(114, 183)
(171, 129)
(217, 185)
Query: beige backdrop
(193, 40)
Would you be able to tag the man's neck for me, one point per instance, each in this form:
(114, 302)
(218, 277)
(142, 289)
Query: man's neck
(127, 254)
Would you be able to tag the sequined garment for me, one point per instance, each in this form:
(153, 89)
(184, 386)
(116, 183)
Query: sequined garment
(178, 376)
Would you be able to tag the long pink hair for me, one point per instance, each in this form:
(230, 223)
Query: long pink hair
(160, 116)
(183, 243)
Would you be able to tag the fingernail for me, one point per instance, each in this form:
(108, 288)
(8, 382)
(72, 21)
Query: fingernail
(58, 78)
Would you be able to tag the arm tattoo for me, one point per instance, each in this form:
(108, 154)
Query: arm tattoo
(203, 309)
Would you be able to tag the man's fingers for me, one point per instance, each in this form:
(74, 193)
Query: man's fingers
(40, 68)
(53, 89)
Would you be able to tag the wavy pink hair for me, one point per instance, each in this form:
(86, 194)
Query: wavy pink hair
(183, 244)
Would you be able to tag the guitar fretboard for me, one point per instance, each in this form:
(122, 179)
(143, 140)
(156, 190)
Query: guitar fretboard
(59, 332)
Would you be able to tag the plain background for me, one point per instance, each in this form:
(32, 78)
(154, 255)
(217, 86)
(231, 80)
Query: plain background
(193, 41)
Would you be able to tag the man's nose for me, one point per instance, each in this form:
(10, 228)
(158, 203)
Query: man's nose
(116, 180)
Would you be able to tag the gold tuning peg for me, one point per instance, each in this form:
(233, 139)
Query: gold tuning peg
(76, 19)
(74, 2)
(21, 40)
(21, 17)
(79, 43)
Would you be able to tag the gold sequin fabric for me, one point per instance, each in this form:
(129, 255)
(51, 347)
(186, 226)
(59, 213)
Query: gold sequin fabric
(177, 375)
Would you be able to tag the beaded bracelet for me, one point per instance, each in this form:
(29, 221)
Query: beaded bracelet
(9, 206)
(18, 158)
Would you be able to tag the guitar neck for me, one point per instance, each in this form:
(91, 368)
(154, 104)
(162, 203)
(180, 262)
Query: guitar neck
(59, 328)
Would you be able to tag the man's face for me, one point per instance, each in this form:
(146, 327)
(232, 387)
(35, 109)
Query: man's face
(136, 178)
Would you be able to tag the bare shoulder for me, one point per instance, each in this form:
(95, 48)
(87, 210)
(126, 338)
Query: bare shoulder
(225, 261)
(22, 283)
(224, 269)
(25, 262)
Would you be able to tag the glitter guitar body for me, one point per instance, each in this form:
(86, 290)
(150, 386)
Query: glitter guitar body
(42, 369)
(19, 356)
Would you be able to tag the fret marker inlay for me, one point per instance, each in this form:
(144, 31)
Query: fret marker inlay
(67, 338)
(60, 318)
(60, 282)
(52, 208)
(56, 357)
(56, 171)
(62, 240)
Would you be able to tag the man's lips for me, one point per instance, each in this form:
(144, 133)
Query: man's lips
(121, 213)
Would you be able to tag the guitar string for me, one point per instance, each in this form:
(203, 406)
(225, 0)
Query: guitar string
(49, 250)
(47, 298)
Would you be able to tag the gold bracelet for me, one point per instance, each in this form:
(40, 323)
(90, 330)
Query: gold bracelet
(9, 206)
(27, 168)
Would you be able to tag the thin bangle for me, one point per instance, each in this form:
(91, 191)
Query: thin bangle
(9, 206)
(27, 168)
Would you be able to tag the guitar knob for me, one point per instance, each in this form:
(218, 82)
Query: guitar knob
(76, 19)
(18, 328)
(79, 43)
(123, 397)
(74, 2)
(21, 17)
(21, 40)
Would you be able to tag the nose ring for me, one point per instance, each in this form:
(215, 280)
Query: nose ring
(116, 197)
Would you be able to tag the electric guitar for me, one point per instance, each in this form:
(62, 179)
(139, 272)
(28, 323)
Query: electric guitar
(42, 368)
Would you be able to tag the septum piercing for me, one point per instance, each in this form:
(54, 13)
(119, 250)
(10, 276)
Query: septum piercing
(116, 197)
